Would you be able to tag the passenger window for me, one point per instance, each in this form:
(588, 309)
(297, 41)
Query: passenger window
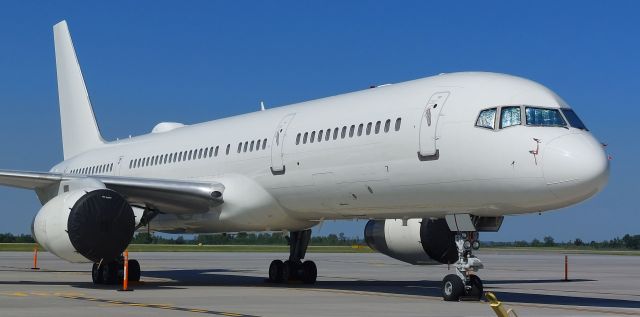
(487, 119)
(239, 147)
(544, 117)
(297, 140)
(199, 153)
(335, 133)
(228, 148)
(251, 146)
(344, 132)
(352, 130)
(264, 144)
(360, 129)
(369, 128)
(398, 122)
(327, 135)
(510, 116)
(304, 139)
(378, 127)
(246, 143)
(215, 153)
(258, 144)
(387, 125)
(320, 135)
(313, 137)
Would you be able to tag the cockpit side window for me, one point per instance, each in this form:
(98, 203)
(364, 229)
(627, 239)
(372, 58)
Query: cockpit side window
(544, 117)
(573, 119)
(510, 116)
(487, 119)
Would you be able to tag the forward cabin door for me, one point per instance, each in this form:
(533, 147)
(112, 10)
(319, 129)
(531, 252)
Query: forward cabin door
(428, 147)
(277, 145)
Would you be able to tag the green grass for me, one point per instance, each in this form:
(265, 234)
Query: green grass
(17, 247)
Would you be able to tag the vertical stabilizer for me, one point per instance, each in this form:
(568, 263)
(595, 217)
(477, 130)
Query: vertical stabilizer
(79, 128)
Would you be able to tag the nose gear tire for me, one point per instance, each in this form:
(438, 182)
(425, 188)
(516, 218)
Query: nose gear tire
(452, 287)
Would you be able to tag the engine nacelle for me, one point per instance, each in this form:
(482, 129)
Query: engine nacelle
(85, 225)
(421, 241)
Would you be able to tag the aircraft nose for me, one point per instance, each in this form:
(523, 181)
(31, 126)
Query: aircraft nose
(575, 167)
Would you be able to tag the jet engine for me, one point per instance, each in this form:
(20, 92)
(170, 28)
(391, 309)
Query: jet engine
(416, 241)
(85, 225)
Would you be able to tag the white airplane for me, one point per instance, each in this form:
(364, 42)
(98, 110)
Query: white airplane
(430, 162)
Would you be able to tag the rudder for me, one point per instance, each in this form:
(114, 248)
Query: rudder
(79, 127)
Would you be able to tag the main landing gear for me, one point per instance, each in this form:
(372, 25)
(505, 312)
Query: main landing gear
(464, 284)
(294, 269)
(113, 272)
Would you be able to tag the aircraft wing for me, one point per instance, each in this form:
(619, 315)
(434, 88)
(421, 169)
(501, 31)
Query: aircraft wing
(166, 196)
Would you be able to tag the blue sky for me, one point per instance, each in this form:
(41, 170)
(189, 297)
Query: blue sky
(191, 61)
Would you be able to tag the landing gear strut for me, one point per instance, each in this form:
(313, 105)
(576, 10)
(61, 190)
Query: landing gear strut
(294, 269)
(113, 272)
(464, 284)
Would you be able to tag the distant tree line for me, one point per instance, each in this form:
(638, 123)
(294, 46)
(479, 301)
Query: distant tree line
(629, 242)
(10, 238)
(243, 238)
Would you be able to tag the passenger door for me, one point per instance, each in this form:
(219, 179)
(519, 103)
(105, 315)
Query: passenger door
(428, 137)
(277, 145)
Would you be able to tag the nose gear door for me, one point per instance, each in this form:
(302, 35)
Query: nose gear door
(427, 147)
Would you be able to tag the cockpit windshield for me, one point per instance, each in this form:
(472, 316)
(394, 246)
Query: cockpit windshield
(544, 117)
(502, 117)
(573, 119)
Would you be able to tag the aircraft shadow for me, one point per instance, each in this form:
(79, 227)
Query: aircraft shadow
(416, 288)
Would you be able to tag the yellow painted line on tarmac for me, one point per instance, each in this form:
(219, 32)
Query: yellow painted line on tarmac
(108, 302)
(577, 309)
(119, 303)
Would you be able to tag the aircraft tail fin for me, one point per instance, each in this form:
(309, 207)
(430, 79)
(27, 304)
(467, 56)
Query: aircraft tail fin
(79, 127)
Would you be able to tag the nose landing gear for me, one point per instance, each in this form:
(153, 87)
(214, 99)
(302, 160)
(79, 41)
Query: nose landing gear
(294, 269)
(464, 284)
